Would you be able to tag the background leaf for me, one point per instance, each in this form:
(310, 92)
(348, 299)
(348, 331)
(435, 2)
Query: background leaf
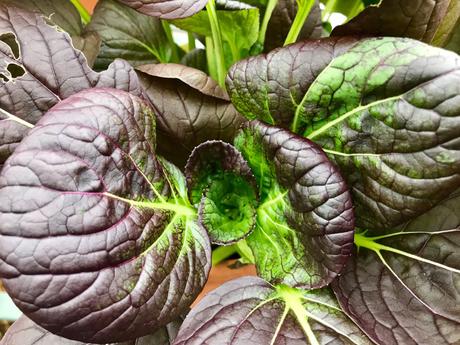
(418, 19)
(250, 308)
(282, 19)
(130, 35)
(239, 28)
(166, 9)
(98, 245)
(191, 108)
(64, 15)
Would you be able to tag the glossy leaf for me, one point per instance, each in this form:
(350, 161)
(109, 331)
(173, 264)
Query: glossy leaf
(269, 87)
(166, 9)
(64, 15)
(282, 19)
(191, 108)
(403, 286)
(221, 182)
(305, 220)
(129, 35)
(239, 28)
(51, 70)
(386, 112)
(26, 332)
(249, 310)
(99, 243)
(418, 19)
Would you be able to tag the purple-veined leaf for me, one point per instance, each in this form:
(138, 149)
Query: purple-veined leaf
(220, 181)
(305, 222)
(26, 332)
(47, 69)
(65, 16)
(167, 9)
(386, 111)
(269, 87)
(418, 19)
(251, 311)
(403, 286)
(130, 35)
(191, 108)
(98, 241)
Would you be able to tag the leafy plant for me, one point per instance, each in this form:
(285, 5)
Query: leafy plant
(331, 164)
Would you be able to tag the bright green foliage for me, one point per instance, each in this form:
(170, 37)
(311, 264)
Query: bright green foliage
(228, 208)
(239, 29)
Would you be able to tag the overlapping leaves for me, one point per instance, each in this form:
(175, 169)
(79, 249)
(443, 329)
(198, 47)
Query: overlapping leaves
(115, 250)
(46, 69)
(251, 310)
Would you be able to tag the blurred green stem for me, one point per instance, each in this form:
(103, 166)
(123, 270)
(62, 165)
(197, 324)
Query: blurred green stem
(304, 8)
(267, 16)
(84, 14)
(221, 70)
(169, 36)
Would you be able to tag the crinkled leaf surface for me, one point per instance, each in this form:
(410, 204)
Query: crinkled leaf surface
(418, 19)
(305, 221)
(64, 15)
(52, 70)
(403, 286)
(128, 34)
(269, 87)
(386, 111)
(239, 29)
(282, 18)
(166, 9)
(190, 107)
(26, 332)
(221, 182)
(99, 243)
(250, 310)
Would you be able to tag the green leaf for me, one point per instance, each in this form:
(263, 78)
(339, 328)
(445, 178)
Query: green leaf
(250, 308)
(130, 35)
(386, 111)
(305, 220)
(239, 28)
(221, 182)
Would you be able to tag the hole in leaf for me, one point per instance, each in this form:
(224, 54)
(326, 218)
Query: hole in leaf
(10, 39)
(15, 70)
(4, 78)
